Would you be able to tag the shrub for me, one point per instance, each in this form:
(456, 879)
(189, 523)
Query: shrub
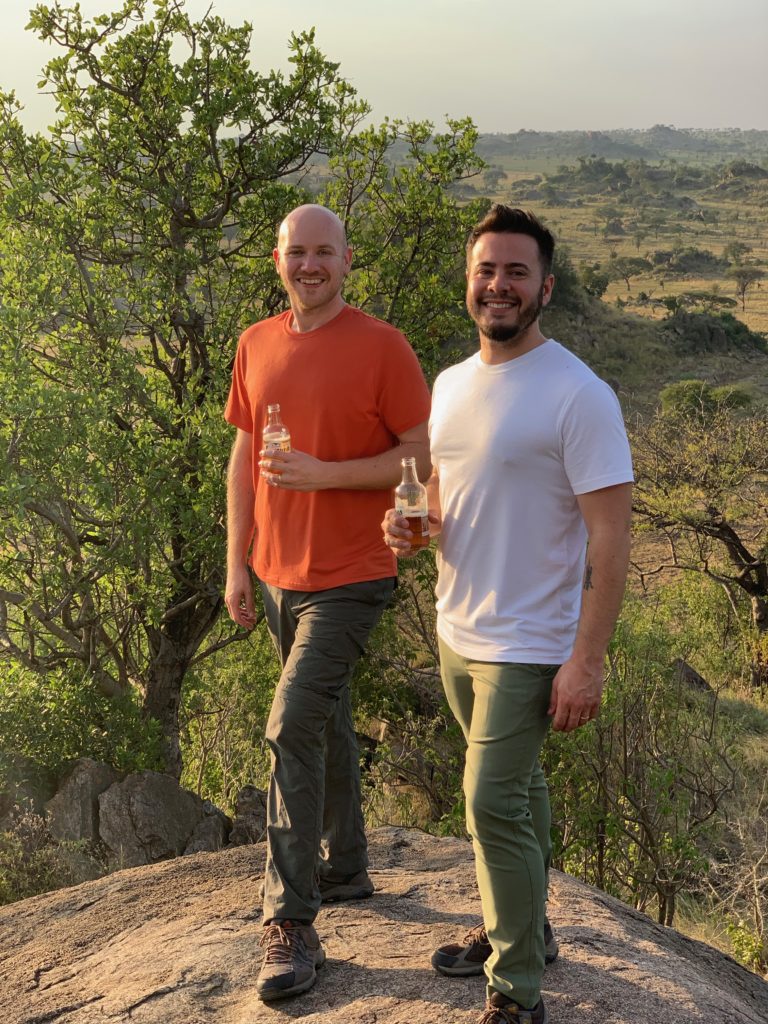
(33, 862)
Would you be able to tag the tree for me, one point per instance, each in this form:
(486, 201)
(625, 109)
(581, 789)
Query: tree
(735, 251)
(622, 268)
(744, 276)
(699, 400)
(593, 279)
(701, 470)
(136, 245)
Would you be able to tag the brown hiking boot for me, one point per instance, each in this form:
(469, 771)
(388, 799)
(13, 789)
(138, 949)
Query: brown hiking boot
(293, 952)
(333, 890)
(469, 956)
(502, 1010)
(353, 887)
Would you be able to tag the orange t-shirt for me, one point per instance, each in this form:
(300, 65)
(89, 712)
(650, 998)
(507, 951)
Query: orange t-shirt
(346, 390)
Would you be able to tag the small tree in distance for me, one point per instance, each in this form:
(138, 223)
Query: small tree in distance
(744, 277)
(622, 268)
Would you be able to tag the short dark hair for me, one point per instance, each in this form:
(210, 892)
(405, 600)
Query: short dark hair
(500, 219)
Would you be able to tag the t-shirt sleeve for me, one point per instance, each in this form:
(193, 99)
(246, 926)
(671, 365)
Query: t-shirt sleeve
(404, 399)
(595, 447)
(238, 409)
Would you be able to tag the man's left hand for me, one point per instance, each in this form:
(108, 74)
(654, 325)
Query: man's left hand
(293, 471)
(576, 693)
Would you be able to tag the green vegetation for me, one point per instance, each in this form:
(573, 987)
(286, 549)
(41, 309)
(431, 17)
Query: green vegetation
(136, 241)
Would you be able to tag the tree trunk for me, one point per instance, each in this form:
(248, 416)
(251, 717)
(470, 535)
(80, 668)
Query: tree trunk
(172, 648)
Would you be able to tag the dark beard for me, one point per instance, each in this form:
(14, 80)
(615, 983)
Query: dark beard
(515, 332)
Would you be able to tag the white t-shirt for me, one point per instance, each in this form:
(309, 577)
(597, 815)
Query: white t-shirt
(513, 444)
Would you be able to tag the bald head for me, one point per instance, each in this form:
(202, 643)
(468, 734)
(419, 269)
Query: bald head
(312, 258)
(315, 218)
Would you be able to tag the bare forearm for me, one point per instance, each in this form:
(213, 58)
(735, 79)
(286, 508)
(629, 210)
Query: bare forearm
(299, 471)
(378, 471)
(603, 589)
(240, 502)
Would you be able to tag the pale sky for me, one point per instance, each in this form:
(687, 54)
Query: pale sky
(546, 66)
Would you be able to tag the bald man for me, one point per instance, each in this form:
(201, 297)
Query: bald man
(306, 522)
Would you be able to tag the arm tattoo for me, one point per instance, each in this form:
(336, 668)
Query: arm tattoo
(588, 577)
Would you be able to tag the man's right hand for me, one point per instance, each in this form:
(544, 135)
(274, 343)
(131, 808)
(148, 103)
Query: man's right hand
(238, 597)
(398, 536)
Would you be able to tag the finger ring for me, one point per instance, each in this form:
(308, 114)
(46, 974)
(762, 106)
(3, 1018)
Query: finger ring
(584, 718)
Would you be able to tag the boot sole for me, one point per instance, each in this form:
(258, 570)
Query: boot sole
(344, 897)
(469, 970)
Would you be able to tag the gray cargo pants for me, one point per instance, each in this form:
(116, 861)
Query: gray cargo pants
(314, 818)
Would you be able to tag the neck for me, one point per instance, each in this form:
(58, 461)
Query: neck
(503, 351)
(304, 320)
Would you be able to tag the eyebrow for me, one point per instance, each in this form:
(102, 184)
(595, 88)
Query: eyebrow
(302, 248)
(507, 266)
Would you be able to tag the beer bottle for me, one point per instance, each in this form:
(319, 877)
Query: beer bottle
(411, 502)
(275, 434)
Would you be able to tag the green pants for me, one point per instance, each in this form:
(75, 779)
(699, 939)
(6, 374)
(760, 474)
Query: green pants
(314, 818)
(502, 710)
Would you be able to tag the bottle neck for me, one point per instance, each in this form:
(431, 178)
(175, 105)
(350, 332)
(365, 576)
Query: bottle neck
(409, 472)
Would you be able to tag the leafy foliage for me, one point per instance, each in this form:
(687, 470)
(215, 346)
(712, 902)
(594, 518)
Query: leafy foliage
(137, 244)
(636, 792)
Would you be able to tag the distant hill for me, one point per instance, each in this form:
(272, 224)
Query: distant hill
(661, 142)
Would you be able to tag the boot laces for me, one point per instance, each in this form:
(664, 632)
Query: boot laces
(280, 942)
(476, 936)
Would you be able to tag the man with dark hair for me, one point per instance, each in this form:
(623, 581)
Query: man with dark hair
(530, 463)
(355, 401)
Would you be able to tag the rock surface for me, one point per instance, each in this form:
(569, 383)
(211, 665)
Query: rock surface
(250, 824)
(148, 817)
(73, 813)
(177, 943)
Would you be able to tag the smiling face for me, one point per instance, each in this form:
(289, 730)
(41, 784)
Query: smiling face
(312, 258)
(506, 291)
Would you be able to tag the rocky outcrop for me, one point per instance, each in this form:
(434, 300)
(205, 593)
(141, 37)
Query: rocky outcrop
(250, 825)
(73, 813)
(148, 817)
(177, 943)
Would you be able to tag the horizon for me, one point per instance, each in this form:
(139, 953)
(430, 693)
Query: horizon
(559, 69)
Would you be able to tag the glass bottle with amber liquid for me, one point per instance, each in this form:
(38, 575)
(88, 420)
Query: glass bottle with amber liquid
(411, 502)
(275, 435)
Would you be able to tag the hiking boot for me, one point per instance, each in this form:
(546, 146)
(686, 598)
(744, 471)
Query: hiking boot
(293, 952)
(469, 956)
(353, 887)
(502, 1010)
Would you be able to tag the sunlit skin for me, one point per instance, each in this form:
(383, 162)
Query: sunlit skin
(506, 291)
(313, 259)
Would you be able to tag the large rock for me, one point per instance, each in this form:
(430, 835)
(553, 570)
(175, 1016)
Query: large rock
(177, 943)
(250, 825)
(73, 813)
(149, 817)
(210, 833)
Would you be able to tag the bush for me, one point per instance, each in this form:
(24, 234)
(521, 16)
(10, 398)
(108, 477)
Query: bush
(710, 332)
(57, 718)
(635, 794)
(698, 399)
(224, 710)
(33, 862)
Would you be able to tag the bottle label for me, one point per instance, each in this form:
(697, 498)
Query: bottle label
(277, 446)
